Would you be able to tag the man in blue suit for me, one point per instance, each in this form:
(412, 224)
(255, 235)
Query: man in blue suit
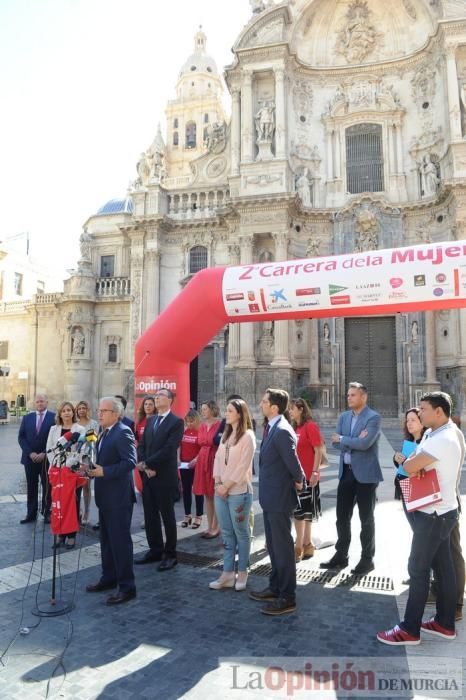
(280, 476)
(115, 497)
(357, 438)
(32, 438)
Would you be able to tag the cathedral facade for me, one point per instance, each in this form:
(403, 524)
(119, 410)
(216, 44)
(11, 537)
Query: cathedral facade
(347, 133)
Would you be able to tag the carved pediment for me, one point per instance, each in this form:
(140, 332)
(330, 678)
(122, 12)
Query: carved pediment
(270, 27)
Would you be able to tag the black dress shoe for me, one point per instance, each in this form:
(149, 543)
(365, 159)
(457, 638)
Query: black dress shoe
(280, 606)
(363, 567)
(99, 586)
(167, 564)
(118, 598)
(96, 527)
(334, 563)
(266, 594)
(28, 519)
(148, 558)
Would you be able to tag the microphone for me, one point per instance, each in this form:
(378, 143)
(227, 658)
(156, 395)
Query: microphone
(63, 442)
(80, 444)
(90, 448)
(91, 435)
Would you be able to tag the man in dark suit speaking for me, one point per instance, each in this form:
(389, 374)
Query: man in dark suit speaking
(280, 476)
(115, 497)
(158, 463)
(32, 437)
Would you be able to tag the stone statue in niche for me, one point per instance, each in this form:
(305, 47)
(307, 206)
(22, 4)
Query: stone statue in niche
(463, 108)
(414, 332)
(326, 333)
(78, 342)
(367, 232)
(429, 177)
(358, 38)
(303, 188)
(313, 248)
(265, 122)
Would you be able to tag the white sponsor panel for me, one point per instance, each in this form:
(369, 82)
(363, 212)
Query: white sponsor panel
(426, 274)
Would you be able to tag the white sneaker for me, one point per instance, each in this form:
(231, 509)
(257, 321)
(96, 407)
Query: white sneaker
(222, 582)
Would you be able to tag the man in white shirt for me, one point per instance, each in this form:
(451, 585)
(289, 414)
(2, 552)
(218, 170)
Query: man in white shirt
(432, 525)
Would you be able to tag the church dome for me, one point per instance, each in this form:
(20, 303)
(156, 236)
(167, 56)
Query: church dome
(116, 206)
(199, 61)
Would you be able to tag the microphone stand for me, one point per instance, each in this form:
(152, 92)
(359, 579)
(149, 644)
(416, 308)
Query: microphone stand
(54, 607)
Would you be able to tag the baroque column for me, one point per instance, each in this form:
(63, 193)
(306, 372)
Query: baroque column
(314, 352)
(453, 95)
(247, 357)
(280, 112)
(152, 286)
(247, 144)
(136, 275)
(281, 355)
(235, 131)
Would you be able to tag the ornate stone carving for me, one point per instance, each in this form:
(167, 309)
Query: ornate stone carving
(313, 248)
(151, 163)
(429, 139)
(216, 167)
(263, 180)
(265, 122)
(303, 188)
(362, 96)
(429, 177)
(410, 9)
(78, 341)
(216, 137)
(259, 6)
(367, 231)
(359, 37)
(85, 246)
(423, 84)
(303, 97)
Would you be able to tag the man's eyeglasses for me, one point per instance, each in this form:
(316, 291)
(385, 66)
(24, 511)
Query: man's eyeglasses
(105, 410)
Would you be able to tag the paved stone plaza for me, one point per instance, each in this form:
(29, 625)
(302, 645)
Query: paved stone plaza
(167, 643)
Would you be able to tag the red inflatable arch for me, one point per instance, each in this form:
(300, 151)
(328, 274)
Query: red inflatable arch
(419, 278)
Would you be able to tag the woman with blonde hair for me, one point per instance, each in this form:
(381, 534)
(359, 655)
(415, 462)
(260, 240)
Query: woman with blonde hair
(85, 420)
(65, 421)
(309, 449)
(233, 493)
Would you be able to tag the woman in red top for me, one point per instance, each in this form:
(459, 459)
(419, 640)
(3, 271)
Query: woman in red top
(146, 410)
(309, 450)
(204, 484)
(189, 449)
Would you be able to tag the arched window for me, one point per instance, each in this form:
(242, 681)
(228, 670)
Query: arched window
(191, 135)
(364, 158)
(206, 118)
(112, 352)
(175, 123)
(176, 139)
(197, 259)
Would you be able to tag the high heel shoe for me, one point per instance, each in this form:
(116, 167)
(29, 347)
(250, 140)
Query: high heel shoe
(308, 550)
(71, 543)
(225, 581)
(241, 581)
(298, 554)
(197, 522)
(187, 521)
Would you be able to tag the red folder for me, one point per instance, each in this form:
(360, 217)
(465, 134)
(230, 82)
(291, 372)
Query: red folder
(419, 493)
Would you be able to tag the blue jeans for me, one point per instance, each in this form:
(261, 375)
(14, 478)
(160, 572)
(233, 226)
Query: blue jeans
(233, 517)
(430, 548)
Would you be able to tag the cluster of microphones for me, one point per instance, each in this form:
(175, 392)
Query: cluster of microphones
(81, 446)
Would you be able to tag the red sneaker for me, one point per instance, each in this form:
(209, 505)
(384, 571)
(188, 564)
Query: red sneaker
(397, 637)
(432, 627)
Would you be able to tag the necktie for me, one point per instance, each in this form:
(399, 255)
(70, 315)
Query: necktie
(266, 432)
(102, 438)
(40, 420)
(157, 422)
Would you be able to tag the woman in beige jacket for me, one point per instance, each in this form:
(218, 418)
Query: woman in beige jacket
(233, 493)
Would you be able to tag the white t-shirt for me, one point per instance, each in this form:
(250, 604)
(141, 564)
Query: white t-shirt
(443, 444)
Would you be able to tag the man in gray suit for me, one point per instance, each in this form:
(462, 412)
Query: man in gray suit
(280, 475)
(357, 437)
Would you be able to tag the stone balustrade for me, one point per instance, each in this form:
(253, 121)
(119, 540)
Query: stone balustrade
(113, 287)
(52, 298)
(197, 205)
(181, 181)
